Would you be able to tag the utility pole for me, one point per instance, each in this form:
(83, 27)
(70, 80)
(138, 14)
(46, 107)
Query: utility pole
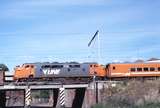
(99, 49)
(95, 83)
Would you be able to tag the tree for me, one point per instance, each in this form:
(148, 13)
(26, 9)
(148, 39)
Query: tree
(153, 59)
(139, 61)
(3, 67)
(44, 94)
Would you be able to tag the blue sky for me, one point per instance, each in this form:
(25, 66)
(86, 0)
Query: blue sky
(59, 30)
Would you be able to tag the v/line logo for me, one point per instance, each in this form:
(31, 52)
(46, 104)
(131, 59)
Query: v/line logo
(51, 71)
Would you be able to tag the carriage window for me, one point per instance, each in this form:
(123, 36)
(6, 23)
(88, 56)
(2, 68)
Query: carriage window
(152, 69)
(158, 68)
(133, 69)
(145, 69)
(114, 67)
(139, 69)
(74, 66)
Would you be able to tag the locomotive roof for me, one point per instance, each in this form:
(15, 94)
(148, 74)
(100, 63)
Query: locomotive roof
(58, 63)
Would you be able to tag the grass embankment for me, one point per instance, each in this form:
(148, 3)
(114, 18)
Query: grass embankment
(133, 94)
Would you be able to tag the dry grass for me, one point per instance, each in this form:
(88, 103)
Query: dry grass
(133, 94)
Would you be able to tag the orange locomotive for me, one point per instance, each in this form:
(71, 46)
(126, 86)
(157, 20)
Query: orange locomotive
(61, 70)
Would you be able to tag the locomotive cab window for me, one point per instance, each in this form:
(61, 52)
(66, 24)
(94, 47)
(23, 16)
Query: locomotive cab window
(145, 69)
(139, 69)
(152, 69)
(132, 69)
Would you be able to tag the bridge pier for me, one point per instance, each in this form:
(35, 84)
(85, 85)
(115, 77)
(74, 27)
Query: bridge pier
(55, 97)
(61, 98)
(2, 99)
(27, 97)
(71, 97)
(79, 98)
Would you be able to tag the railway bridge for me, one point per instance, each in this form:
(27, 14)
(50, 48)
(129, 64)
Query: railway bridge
(62, 95)
(57, 89)
(73, 95)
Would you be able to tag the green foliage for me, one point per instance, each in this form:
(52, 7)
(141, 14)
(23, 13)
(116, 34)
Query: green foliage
(35, 94)
(100, 106)
(41, 94)
(44, 94)
(150, 105)
(3, 67)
